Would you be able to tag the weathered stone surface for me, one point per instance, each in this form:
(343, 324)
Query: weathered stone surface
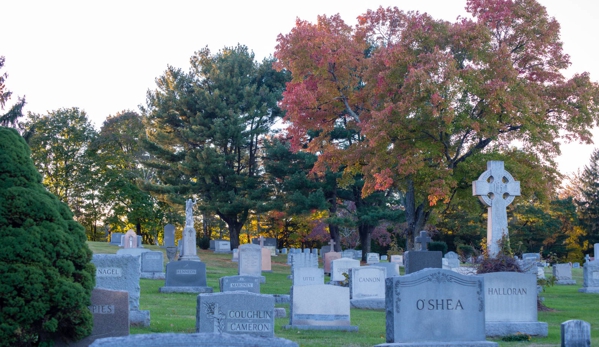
(367, 282)
(563, 274)
(576, 333)
(222, 246)
(392, 269)
(250, 260)
(152, 265)
(122, 272)
(590, 271)
(188, 340)
(169, 235)
(328, 259)
(115, 238)
(308, 276)
(341, 266)
(236, 313)
(373, 258)
(435, 307)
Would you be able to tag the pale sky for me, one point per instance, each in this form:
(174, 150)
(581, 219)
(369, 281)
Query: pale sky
(103, 56)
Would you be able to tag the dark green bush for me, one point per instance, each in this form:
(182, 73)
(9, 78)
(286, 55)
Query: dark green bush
(438, 246)
(516, 337)
(501, 263)
(46, 274)
(204, 242)
(465, 251)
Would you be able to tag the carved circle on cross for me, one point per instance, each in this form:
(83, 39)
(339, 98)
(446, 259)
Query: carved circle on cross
(497, 186)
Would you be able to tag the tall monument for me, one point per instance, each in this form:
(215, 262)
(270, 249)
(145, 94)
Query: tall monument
(496, 189)
(189, 234)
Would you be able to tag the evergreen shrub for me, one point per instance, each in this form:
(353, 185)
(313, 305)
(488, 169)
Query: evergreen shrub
(204, 242)
(46, 274)
(438, 246)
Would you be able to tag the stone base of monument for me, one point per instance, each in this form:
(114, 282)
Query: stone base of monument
(153, 275)
(196, 339)
(174, 289)
(368, 304)
(139, 318)
(189, 258)
(442, 344)
(565, 282)
(510, 328)
(589, 290)
(349, 328)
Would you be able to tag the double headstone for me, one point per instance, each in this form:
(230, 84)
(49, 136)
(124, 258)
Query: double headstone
(436, 307)
(236, 313)
(222, 246)
(367, 287)
(122, 272)
(320, 307)
(511, 304)
(185, 276)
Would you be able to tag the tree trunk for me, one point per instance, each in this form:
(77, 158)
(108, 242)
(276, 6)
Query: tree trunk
(416, 216)
(334, 229)
(234, 231)
(365, 237)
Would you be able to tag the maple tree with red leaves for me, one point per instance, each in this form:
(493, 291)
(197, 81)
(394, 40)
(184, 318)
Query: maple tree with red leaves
(403, 99)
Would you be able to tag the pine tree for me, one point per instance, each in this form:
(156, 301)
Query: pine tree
(46, 274)
(588, 203)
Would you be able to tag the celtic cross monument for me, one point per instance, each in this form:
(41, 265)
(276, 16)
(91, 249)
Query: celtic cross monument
(496, 189)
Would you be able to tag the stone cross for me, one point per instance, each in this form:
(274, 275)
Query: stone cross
(423, 240)
(496, 189)
(332, 244)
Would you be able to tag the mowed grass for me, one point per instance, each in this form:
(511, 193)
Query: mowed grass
(177, 312)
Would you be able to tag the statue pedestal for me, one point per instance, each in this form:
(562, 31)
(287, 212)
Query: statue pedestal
(190, 251)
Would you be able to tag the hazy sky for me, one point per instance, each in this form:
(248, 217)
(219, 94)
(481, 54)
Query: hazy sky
(103, 56)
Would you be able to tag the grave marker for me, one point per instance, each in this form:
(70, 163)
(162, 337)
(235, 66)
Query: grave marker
(308, 276)
(590, 272)
(496, 189)
(341, 266)
(576, 333)
(436, 306)
(239, 283)
(330, 256)
(250, 261)
(185, 276)
(236, 313)
(563, 274)
(130, 239)
(367, 287)
(372, 258)
(152, 265)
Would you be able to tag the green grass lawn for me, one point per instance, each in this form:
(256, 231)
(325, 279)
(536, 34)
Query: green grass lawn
(176, 312)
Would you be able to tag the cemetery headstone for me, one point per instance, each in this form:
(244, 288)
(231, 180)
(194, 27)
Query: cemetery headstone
(423, 240)
(396, 258)
(265, 254)
(511, 304)
(284, 251)
(372, 258)
(348, 253)
(269, 243)
(496, 189)
(320, 307)
(115, 239)
(235, 255)
(330, 256)
(122, 272)
(195, 339)
(133, 251)
(185, 276)
(308, 276)
(436, 306)
(152, 265)
(417, 260)
(384, 258)
(189, 249)
(299, 260)
(392, 269)
(323, 250)
(169, 235)
(139, 241)
(240, 283)
(110, 312)
(367, 287)
(451, 260)
(250, 261)
(236, 313)
(130, 239)
(563, 274)
(576, 333)
(222, 246)
(576, 265)
(341, 266)
(590, 274)
(596, 251)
